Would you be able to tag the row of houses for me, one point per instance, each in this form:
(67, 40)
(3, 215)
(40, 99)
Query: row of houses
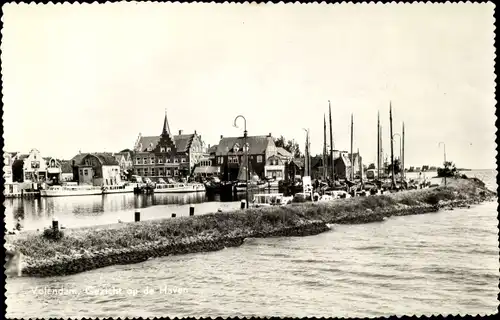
(181, 155)
(171, 155)
(84, 168)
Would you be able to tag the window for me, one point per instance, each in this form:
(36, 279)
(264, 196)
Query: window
(259, 159)
(183, 160)
(169, 149)
(176, 160)
(162, 149)
(160, 160)
(144, 160)
(137, 160)
(168, 160)
(168, 172)
(236, 147)
(151, 160)
(176, 172)
(219, 160)
(86, 172)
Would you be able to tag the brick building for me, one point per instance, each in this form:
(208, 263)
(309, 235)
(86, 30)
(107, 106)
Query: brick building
(167, 155)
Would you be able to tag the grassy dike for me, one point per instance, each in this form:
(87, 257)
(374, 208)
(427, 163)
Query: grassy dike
(95, 247)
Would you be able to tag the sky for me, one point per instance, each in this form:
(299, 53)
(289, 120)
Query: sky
(91, 77)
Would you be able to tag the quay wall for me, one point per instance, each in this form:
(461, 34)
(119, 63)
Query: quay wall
(95, 247)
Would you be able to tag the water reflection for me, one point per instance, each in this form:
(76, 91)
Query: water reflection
(97, 209)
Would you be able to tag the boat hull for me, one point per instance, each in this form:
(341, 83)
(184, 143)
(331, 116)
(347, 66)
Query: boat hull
(181, 189)
(64, 193)
(125, 190)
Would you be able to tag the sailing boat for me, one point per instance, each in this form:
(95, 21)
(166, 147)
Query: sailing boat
(241, 185)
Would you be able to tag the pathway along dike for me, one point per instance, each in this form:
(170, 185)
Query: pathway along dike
(78, 250)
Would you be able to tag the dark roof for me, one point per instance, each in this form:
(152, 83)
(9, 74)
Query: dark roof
(299, 162)
(107, 159)
(283, 152)
(22, 156)
(146, 141)
(182, 142)
(316, 161)
(212, 149)
(257, 144)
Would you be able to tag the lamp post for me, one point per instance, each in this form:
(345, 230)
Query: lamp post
(400, 155)
(245, 149)
(444, 149)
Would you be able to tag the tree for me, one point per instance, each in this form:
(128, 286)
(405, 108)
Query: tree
(449, 170)
(290, 146)
(371, 166)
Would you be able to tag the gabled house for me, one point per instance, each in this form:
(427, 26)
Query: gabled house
(97, 169)
(230, 152)
(167, 155)
(53, 170)
(124, 159)
(29, 168)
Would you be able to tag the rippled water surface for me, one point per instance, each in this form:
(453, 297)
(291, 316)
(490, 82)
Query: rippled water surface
(445, 262)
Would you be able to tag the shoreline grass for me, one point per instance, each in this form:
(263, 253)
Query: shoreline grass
(134, 242)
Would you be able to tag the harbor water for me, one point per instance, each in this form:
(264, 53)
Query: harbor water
(438, 263)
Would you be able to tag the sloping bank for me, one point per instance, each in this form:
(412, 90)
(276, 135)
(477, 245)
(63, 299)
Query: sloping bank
(90, 248)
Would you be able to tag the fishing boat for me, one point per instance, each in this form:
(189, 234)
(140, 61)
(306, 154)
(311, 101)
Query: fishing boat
(241, 184)
(179, 187)
(123, 188)
(71, 190)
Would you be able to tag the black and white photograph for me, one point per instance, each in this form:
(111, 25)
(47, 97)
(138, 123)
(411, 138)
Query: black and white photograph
(170, 159)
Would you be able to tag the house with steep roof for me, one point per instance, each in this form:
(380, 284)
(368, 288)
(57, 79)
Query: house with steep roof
(124, 159)
(29, 168)
(167, 155)
(230, 151)
(97, 169)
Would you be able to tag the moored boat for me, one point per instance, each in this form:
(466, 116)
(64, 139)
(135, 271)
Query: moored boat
(179, 187)
(270, 199)
(71, 190)
(123, 188)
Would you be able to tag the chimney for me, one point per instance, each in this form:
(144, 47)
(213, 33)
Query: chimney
(194, 131)
(180, 132)
(209, 146)
(221, 136)
(270, 134)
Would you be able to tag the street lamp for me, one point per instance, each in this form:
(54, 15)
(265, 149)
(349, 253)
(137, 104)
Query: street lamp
(444, 149)
(245, 149)
(401, 170)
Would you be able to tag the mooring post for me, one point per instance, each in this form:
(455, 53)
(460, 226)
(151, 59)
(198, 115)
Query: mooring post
(173, 215)
(55, 224)
(137, 216)
(242, 204)
(191, 210)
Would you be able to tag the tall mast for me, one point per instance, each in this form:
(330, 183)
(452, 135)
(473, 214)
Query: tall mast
(403, 153)
(360, 168)
(352, 154)
(306, 157)
(392, 147)
(325, 172)
(331, 143)
(378, 145)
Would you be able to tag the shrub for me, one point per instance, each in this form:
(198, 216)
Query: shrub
(53, 234)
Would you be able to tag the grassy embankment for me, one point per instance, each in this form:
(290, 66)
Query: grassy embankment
(89, 248)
